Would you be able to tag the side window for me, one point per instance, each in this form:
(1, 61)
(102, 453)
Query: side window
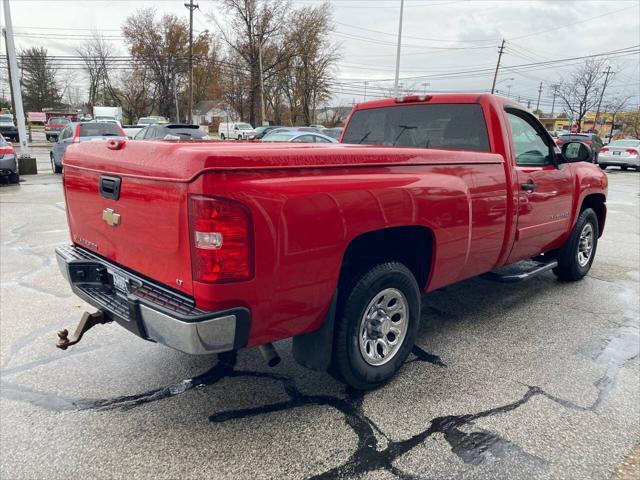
(321, 140)
(530, 144)
(65, 133)
(303, 138)
(149, 133)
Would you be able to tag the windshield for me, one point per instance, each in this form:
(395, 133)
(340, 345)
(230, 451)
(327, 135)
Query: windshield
(151, 120)
(455, 126)
(244, 126)
(59, 120)
(625, 143)
(279, 137)
(100, 130)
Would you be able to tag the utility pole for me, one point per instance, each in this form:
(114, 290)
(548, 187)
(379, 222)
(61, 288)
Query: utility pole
(262, 111)
(495, 76)
(191, 8)
(539, 93)
(606, 79)
(398, 49)
(15, 83)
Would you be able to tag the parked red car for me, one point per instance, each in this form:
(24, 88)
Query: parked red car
(53, 126)
(214, 247)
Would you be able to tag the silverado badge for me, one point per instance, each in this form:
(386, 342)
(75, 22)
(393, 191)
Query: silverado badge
(111, 217)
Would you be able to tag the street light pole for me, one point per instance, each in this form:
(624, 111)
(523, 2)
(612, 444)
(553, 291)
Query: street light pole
(398, 49)
(15, 82)
(262, 112)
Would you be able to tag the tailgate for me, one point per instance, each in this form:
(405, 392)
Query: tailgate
(145, 229)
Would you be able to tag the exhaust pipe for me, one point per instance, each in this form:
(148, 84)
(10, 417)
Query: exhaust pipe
(270, 355)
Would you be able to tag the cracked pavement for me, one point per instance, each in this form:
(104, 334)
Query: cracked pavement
(533, 380)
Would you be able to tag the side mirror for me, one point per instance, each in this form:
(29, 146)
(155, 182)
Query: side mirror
(577, 152)
(235, 128)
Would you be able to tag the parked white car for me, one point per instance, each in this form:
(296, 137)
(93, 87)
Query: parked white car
(620, 153)
(235, 131)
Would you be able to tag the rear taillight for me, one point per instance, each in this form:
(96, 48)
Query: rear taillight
(588, 142)
(221, 240)
(604, 150)
(631, 151)
(559, 142)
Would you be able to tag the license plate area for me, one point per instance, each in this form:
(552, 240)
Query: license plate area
(616, 153)
(120, 284)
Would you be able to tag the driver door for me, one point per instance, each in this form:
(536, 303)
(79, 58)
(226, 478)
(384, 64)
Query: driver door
(544, 188)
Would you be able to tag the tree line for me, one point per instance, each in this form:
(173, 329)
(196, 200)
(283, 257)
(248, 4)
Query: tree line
(288, 48)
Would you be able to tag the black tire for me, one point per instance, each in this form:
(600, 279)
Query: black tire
(55, 168)
(222, 136)
(14, 178)
(603, 166)
(569, 267)
(624, 167)
(349, 364)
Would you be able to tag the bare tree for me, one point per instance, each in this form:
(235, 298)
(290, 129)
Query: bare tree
(98, 59)
(161, 46)
(313, 57)
(613, 106)
(581, 92)
(136, 94)
(254, 25)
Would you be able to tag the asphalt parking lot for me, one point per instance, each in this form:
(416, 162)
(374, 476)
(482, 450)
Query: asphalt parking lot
(533, 380)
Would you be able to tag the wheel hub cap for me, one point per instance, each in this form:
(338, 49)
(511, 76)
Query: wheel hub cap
(383, 326)
(585, 245)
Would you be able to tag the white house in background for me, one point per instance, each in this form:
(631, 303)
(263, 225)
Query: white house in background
(210, 111)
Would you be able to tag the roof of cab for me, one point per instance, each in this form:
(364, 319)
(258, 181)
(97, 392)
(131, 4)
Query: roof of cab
(433, 98)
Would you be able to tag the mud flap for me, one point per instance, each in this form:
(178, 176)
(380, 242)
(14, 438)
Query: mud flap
(314, 350)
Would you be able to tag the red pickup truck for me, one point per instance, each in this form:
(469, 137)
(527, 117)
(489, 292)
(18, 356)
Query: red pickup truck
(211, 247)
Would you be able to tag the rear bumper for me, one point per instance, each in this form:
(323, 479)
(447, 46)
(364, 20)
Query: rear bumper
(8, 164)
(150, 310)
(616, 160)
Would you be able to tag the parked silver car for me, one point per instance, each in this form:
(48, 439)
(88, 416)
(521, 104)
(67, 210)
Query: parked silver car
(620, 153)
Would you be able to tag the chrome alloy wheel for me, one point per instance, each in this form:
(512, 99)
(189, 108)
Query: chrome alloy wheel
(585, 245)
(383, 326)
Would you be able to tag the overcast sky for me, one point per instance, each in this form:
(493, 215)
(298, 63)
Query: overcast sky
(447, 45)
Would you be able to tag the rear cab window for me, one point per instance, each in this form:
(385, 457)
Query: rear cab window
(441, 126)
(101, 129)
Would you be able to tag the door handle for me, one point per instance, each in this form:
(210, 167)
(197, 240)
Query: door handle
(529, 186)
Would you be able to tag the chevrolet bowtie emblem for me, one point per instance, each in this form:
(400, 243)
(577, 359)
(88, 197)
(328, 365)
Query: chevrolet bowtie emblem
(111, 217)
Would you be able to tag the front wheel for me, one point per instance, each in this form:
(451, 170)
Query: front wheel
(603, 166)
(222, 136)
(376, 325)
(576, 255)
(55, 168)
(625, 168)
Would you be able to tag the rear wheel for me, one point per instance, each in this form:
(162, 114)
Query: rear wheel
(624, 167)
(222, 136)
(576, 255)
(603, 166)
(14, 178)
(376, 325)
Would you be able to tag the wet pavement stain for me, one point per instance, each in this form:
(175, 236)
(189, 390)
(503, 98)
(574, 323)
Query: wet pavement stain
(473, 447)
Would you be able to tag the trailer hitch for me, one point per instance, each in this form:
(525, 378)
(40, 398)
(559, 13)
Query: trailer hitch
(88, 321)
